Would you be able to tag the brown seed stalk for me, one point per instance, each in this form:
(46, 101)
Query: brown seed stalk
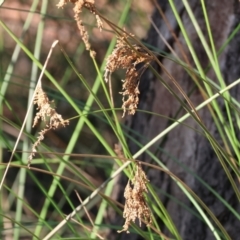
(136, 206)
(47, 114)
(129, 57)
(78, 7)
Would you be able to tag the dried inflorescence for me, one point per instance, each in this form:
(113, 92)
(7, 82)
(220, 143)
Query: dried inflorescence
(135, 205)
(45, 113)
(135, 60)
(78, 6)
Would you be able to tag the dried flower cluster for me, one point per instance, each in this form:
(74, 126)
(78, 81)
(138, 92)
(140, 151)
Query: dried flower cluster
(78, 6)
(135, 60)
(48, 114)
(135, 205)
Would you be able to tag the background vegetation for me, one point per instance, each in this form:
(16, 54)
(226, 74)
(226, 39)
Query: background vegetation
(79, 161)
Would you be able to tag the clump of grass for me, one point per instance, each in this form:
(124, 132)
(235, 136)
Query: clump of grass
(128, 56)
(124, 56)
(135, 60)
(136, 205)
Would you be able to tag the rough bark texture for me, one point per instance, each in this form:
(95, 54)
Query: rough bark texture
(190, 148)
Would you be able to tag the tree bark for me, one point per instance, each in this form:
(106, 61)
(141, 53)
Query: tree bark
(184, 147)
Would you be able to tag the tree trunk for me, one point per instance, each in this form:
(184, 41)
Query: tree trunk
(183, 146)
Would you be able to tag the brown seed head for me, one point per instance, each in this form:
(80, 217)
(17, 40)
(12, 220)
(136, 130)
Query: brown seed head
(47, 114)
(126, 56)
(78, 7)
(136, 205)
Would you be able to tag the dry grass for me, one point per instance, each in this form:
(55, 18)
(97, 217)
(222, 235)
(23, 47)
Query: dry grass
(47, 114)
(78, 6)
(128, 56)
(135, 206)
